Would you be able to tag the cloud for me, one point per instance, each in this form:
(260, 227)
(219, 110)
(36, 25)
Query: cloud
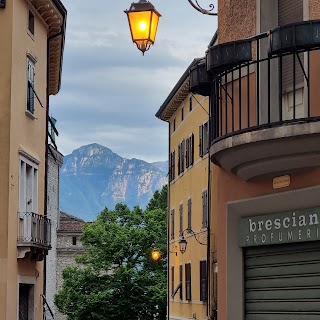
(109, 92)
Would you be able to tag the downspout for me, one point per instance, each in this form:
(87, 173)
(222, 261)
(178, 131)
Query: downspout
(168, 224)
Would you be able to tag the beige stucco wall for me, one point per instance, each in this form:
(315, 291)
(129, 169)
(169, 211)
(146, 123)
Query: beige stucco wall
(17, 129)
(190, 184)
(314, 9)
(236, 20)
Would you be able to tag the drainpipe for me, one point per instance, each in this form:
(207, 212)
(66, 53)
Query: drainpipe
(168, 233)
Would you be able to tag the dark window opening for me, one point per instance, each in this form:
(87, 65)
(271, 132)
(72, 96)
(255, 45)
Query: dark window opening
(188, 281)
(203, 280)
(31, 22)
(174, 125)
(190, 104)
(182, 114)
(74, 241)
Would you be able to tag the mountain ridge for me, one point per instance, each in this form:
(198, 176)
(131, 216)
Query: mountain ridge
(93, 177)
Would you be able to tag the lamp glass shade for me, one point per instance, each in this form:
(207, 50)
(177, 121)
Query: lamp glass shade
(183, 245)
(155, 255)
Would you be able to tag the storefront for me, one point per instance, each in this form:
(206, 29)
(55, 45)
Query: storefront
(273, 257)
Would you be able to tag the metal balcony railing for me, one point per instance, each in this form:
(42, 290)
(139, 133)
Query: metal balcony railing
(265, 81)
(34, 229)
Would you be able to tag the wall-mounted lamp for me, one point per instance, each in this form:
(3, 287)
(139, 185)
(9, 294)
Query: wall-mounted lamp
(183, 242)
(143, 21)
(155, 254)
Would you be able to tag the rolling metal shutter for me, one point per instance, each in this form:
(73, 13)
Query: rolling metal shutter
(282, 282)
(290, 11)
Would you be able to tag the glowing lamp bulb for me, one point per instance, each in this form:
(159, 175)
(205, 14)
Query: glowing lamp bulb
(155, 255)
(142, 26)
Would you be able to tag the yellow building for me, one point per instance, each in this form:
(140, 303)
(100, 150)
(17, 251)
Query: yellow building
(189, 169)
(32, 42)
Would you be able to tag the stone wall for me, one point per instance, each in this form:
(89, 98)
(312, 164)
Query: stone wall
(314, 9)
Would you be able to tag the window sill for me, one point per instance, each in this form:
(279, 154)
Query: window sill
(30, 34)
(30, 115)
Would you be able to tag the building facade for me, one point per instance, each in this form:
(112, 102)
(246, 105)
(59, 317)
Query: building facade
(189, 172)
(264, 150)
(68, 247)
(32, 37)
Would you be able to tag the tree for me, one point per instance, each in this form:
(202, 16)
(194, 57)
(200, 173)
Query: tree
(116, 278)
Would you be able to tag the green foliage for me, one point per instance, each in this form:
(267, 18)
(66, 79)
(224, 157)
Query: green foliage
(116, 277)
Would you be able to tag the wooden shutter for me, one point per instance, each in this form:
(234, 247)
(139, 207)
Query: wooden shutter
(30, 87)
(179, 159)
(201, 141)
(170, 167)
(181, 219)
(172, 280)
(182, 155)
(187, 152)
(291, 11)
(188, 281)
(189, 214)
(204, 209)
(172, 224)
(203, 280)
(192, 149)
(181, 279)
(173, 164)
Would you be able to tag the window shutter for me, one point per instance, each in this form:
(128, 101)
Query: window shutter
(30, 87)
(173, 164)
(181, 219)
(180, 273)
(172, 224)
(172, 280)
(205, 209)
(203, 280)
(182, 155)
(188, 281)
(200, 141)
(179, 159)
(187, 153)
(192, 149)
(170, 167)
(189, 214)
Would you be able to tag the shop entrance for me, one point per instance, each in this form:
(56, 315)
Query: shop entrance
(282, 282)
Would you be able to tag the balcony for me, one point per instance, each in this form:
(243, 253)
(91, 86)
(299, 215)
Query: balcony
(34, 236)
(265, 102)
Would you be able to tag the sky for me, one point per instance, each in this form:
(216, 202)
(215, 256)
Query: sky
(110, 92)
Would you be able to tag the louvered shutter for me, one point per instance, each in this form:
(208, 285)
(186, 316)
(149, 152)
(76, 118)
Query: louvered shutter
(188, 281)
(174, 165)
(187, 153)
(192, 150)
(189, 213)
(201, 141)
(170, 167)
(204, 209)
(181, 219)
(179, 159)
(172, 280)
(172, 224)
(291, 11)
(181, 279)
(30, 87)
(182, 155)
(203, 280)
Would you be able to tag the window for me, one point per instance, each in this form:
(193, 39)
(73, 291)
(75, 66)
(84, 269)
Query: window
(172, 281)
(181, 153)
(182, 113)
(172, 224)
(203, 280)
(189, 214)
(172, 166)
(174, 125)
(31, 22)
(205, 209)
(204, 139)
(181, 279)
(74, 241)
(190, 104)
(28, 186)
(188, 280)
(26, 301)
(181, 219)
(30, 86)
(190, 151)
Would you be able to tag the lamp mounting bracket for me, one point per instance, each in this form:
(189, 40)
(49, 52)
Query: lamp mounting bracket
(203, 11)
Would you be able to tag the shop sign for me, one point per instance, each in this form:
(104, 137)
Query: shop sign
(286, 227)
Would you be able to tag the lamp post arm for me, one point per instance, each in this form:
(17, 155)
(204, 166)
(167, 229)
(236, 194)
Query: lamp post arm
(203, 11)
(194, 235)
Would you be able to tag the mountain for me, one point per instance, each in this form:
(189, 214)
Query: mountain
(93, 177)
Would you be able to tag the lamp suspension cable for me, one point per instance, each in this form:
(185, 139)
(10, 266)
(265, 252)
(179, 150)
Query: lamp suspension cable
(203, 11)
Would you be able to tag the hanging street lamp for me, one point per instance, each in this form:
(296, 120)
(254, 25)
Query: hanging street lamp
(155, 255)
(143, 21)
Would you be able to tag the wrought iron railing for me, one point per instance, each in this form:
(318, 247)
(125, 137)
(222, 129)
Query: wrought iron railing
(34, 229)
(276, 85)
(47, 312)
